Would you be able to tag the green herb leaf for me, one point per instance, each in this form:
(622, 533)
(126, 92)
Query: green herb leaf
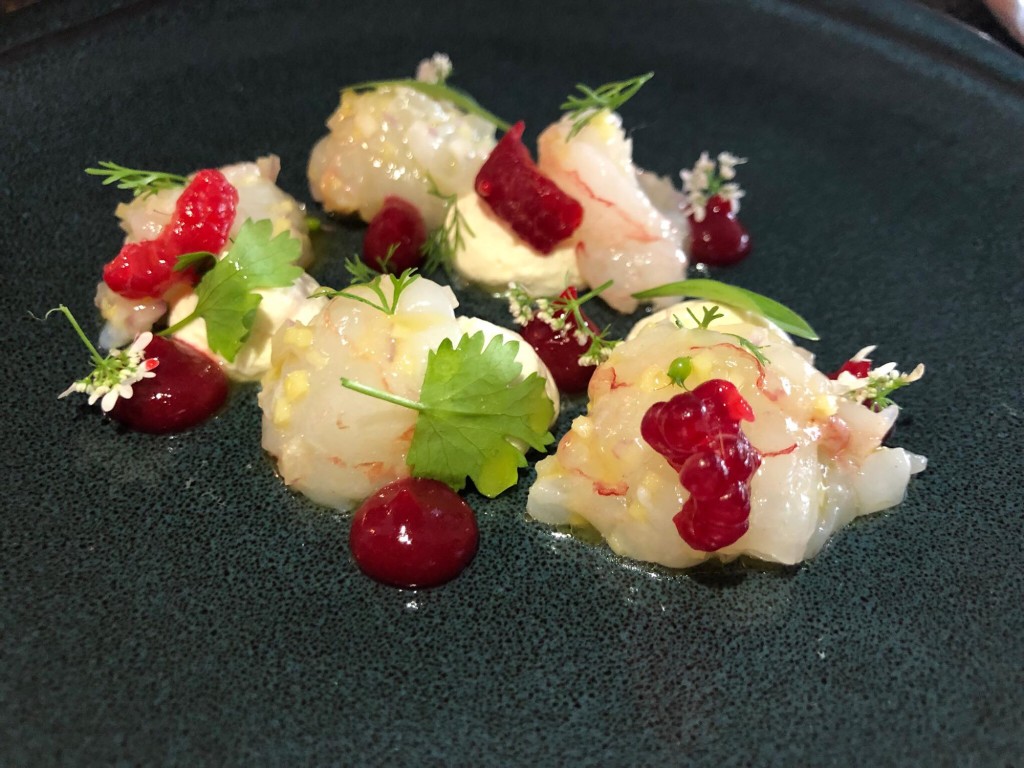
(142, 183)
(446, 239)
(712, 314)
(384, 304)
(470, 409)
(610, 96)
(438, 91)
(741, 298)
(227, 298)
(187, 259)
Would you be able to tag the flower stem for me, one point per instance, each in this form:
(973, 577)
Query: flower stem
(382, 395)
(96, 356)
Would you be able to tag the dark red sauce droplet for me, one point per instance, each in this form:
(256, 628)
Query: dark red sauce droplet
(398, 223)
(720, 238)
(413, 532)
(561, 350)
(188, 388)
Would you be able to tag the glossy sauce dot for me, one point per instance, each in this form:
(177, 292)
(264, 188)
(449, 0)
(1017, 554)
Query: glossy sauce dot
(413, 532)
(188, 388)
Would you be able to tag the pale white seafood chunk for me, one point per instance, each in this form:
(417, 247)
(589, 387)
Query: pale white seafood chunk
(338, 446)
(276, 306)
(822, 460)
(394, 141)
(624, 236)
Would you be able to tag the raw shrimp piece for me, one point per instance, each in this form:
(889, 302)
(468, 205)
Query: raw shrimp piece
(393, 141)
(624, 236)
(822, 460)
(338, 446)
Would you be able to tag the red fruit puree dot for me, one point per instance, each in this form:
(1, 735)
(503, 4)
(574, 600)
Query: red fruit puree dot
(720, 238)
(561, 350)
(399, 225)
(188, 388)
(413, 532)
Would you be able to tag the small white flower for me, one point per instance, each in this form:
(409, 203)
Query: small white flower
(864, 354)
(727, 163)
(436, 69)
(914, 375)
(115, 375)
(708, 178)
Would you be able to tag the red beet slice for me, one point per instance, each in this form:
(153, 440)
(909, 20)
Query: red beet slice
(524, 198)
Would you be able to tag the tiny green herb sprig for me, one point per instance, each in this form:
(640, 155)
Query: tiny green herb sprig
(365, 277)
(471, 407)
(141, 183)
(583, 108)
(741, 298)
(710, 315)
(439, 91)
(446, 239)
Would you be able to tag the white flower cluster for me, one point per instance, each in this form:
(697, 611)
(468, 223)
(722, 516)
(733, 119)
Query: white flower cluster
(555, 314)
(436, 69)
(879, 382)
(115, 375)
(707, 179)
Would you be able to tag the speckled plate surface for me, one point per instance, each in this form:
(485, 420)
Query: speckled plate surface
(167, 601)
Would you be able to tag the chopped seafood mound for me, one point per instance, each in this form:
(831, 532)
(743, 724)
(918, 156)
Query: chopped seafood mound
(624, 236)
(822, 459)
(395, 141)
(338, 446)
(259, 197)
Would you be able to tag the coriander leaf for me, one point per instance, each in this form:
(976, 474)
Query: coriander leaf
(187, 259)
(471, 408)
(438, 91)
(227, 298)
(713, 290)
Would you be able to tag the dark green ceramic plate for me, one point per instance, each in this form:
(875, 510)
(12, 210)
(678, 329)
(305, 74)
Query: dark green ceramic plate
(167, 601)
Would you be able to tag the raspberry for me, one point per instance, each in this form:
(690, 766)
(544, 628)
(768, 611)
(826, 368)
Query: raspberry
(520, 195)
(203, 215)
(724, 400)
(397, 224)
(708, 525)
(202, 219)
(682, 425)
(859, 368)
(699, 434)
